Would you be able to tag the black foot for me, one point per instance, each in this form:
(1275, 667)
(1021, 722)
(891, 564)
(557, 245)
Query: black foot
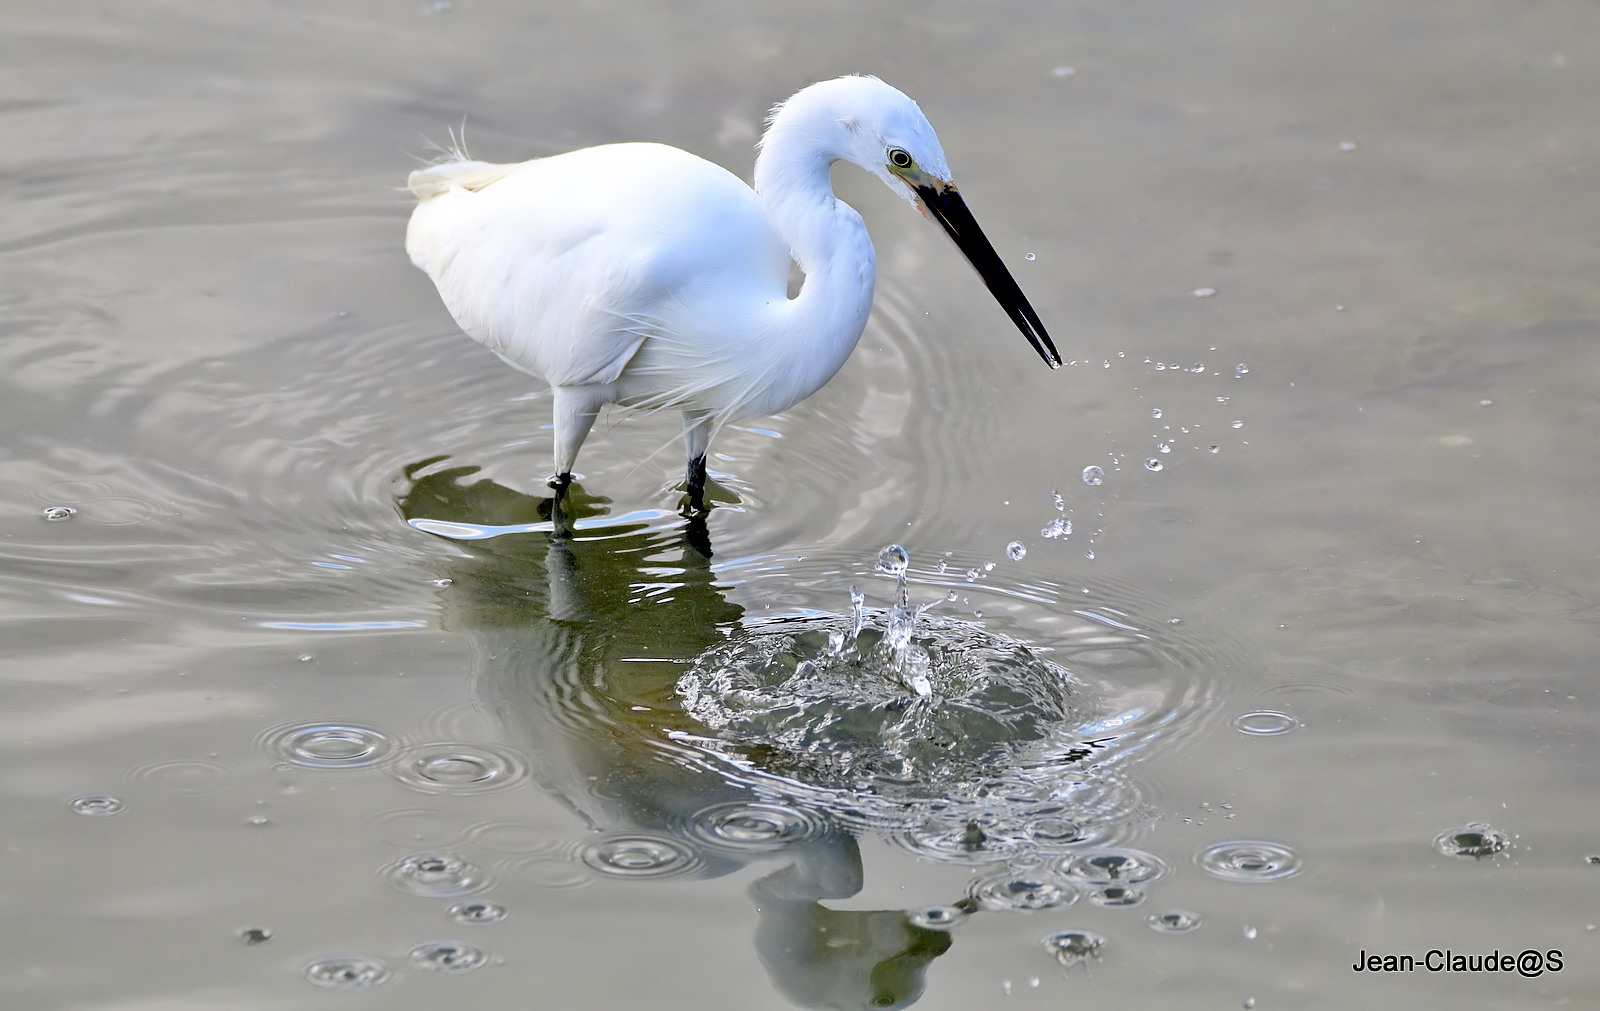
(697, 484)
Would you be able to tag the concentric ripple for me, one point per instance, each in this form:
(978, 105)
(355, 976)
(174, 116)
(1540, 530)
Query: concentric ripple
(446, 956)
(1265, 723)
(1027, 891)
(96, 805)
(1115, 867)
(327, 745)
(756, 827)
(1175, 921)
(191, 778)
(347, 973)
(478, 912)
(1474, 839)
(1250, 861)
(436, 875)
(459, 768)
(637, 855)
(937, 917)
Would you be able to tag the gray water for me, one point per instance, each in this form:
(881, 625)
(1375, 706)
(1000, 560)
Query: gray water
(324, 721)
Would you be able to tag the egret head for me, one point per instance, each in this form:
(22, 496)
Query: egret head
(868, 123)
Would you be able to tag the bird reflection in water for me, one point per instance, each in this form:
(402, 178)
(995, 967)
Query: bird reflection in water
(581, 629)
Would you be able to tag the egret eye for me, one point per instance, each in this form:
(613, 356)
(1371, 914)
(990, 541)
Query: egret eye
(899, 158)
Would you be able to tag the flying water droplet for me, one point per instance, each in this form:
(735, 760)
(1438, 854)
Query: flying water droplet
(893, 560)
(1056, 528)
(1060, 502)
(1204, 292)
(1094, 476)
(1241, 369)
(1015, 551)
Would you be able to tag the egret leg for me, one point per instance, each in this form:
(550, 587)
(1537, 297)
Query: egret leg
(697, 436)
(576, 407)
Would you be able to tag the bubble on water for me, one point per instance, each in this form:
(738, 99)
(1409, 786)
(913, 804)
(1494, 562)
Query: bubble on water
(1030, 256)
(327, 745)
(347, 973)
(1015, 551)
(1120, 866)
(96, 804)
(1155, 412)
(937, 917)
(756, 827)
(1116, 895)
(1204, 292)
(191, 778)
(1250, 860)
(1073, 947)
(1175, 921)
(1153, 464)
(58, 513)
(893, 560)
(446, 956)
(253, 935)
(1094, 476)
(478, 912)
(1474, 839)
(1027, 891)
(637, 855)
(1163, 447)
(436, 875)
(1241, 369)
(459, 768)
(1265, 723)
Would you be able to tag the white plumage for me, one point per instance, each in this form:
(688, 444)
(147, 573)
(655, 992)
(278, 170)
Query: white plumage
(643, 275)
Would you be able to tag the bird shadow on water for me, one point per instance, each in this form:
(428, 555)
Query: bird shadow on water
(685, 735)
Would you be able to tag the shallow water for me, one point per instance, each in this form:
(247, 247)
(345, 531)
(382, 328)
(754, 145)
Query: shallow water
(272, 733)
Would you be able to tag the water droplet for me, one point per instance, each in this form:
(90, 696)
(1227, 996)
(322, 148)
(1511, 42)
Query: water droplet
(1163, 447)
(1155, 412)
(441, 6)
(1474, 839)
(756, 827)
(1059, 501)
(1116, 895)
(1175, 921)
(305, 658)
(1204, 292)
(1215, 448)
(459, 768)
(1153, 464)
(1249, 933)
(1056, 528)
(478, 912)
(1089, 555)
(257, 821)
(1265, 723)
(1015, 551)
(253, 935)
(893, 560)
(446, 956)
(1250, 861)
(327, 745)
(1031, 256)
(1347, 145)
(58, 513)
(1241, 369)
(1062, 72)
(937, 917)
(1093, 476)
(1115, 866)
(1024, 892)
(96, 805)
(1073, 947)
(445, 581)
(347, 973)
(436, 875)
(641, 856)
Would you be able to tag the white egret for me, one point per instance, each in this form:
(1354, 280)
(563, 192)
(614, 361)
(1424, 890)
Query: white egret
(642, 275)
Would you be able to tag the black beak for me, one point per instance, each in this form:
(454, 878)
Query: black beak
(945, 205)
